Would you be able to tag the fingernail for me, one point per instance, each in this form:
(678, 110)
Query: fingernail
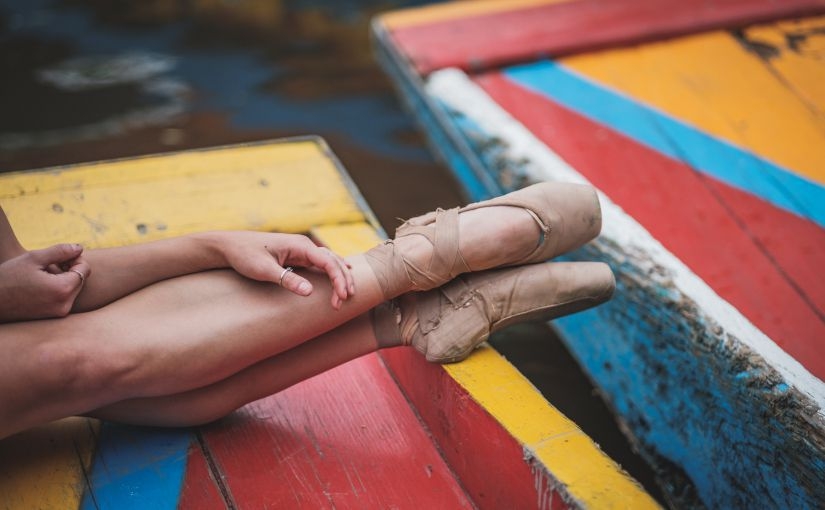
(352, 289)
(77, 247)
(304, 288)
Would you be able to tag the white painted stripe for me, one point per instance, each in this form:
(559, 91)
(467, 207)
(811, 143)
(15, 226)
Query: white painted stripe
(456, 90)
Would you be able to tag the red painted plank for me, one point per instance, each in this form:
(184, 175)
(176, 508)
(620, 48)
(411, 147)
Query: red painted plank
(199, 491)
(677, 206)
(796, 245)
(493, 40)
(470, 438)
(344, 439)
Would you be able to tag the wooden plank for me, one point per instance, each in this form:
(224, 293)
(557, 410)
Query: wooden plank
(200, 489)
(700, 387)
(528, 32)
(770, 227)
(447, 11)
(606, 157)
(481, 409)
(45, 467)
(137, 468)
(114, 203)
(793, 50)
(344, 439)
(714, 84)
(780, 186)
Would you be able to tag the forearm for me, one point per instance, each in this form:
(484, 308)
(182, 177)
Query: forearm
(117, 272)
(9, 246)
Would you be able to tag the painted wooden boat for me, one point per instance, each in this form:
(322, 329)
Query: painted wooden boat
(387, 430)
(709, 151)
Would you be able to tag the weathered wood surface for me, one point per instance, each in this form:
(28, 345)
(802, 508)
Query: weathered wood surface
(725, 400)
(438, 37)
(345, 439)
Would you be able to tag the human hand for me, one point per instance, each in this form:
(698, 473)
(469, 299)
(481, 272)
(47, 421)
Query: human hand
(42, 284)
(265, 256)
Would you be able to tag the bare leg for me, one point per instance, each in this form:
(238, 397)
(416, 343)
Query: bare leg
(202, 405)
(167, 338)
(195, 330)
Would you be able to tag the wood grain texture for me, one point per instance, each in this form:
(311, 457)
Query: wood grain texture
(752, 91)
(344, 439)
(128, 201)
(729, 418)
(200, 491)
(529, 32)
(45, 467)
(479, 410)
(690, 228)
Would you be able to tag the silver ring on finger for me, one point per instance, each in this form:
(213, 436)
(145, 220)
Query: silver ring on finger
(78, 273)
(287, 269)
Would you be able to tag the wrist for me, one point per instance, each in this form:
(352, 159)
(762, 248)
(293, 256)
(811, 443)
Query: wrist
(209, 247)
(10, 250)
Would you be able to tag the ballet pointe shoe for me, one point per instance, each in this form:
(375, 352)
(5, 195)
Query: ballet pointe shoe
(568, 216)
(447, 323)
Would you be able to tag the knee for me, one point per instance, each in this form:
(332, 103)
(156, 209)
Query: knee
(72, 366)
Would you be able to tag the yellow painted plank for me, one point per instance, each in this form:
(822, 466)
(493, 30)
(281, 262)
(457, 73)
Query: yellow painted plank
(594, 481)
(404, 18)
(800, 57)
(349, 239)
(556, 442)
(711, 82)
(510, 398)
(43, 467)
(286, 187)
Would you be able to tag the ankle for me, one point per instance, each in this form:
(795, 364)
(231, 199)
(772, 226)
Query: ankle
(389, 270)
(386, 325)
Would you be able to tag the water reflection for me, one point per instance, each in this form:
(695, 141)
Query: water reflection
(95, 79)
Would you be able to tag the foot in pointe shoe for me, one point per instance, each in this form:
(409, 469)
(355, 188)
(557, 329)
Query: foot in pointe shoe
(530, 225)
(447, 323)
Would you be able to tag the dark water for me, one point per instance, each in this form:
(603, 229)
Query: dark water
(89, 80)
(85, 80)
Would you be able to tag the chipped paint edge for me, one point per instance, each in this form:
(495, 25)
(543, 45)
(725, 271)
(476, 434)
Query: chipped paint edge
(456, 90)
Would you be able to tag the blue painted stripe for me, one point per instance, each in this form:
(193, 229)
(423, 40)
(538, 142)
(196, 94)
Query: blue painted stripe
(674, 138)
(137, 468)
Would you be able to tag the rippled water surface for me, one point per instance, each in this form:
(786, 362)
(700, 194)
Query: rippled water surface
(87, 80)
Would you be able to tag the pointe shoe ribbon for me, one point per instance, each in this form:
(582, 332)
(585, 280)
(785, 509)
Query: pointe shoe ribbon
(458, 294)
(567, 214)
(446, 262)
(447, 323)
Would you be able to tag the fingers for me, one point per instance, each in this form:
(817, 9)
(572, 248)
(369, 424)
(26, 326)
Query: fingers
(80, 267)
(74, 276)
(56, 255)
(337, 270)
(294, 282)
(68, 284)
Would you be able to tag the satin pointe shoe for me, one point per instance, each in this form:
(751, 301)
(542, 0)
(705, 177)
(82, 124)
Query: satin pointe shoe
(568, 216)
(447, 323)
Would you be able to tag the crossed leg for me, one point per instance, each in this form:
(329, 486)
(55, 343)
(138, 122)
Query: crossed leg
(202, 405)
(169, 338)
(190, 349)
(193, 331)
